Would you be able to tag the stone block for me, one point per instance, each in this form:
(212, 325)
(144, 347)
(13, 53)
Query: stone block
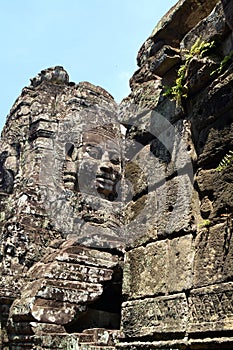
(52, 311)
(24, 342)
(180, 264)
(42, 128)
(102, 237)
(166, 58)
(41, 143)
(179, 193)
(211, 308)
(228, 12)
(72, 252)
(20, 328)
(32, 309)
(226, 48)
(214, 255)
(170, 151)
(145, 270)
(199, 74)
(67, 271)
(160, 267)
(168, 108)
(151, 316)
(214, 140)
(68, 291)
(138, 229)
(206, 107)
(211, 28)
(171, 207)
(169, 29)
(147, 113)
(215, 188)
(58, 341)
(172, 147)
(45, 328)
(146, 93)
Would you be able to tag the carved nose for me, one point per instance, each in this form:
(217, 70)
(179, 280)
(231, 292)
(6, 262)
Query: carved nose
(106, 165)
(105, 157)
(106, 168)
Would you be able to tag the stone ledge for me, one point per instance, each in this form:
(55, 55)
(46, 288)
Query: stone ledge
(187, 12)
(210, 28)
(167, 314)
(183, 344)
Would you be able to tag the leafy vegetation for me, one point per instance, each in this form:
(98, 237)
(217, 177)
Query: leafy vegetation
(200, 49)
(226, 161)
(180, 89)
(205, 223)
(223, 64)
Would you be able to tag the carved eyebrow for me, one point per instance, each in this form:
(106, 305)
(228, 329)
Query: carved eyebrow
(94, 151)
(93, 146)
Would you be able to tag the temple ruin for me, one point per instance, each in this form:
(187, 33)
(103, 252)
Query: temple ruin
(116, 226)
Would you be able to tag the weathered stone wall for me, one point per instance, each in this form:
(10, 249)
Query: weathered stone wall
(178, 270)
(158, 203)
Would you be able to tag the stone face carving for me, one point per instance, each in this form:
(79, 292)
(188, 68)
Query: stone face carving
(100, 167)
(95, 166)
(66, 197)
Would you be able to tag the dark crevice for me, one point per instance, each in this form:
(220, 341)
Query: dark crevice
(140, 194)
(163, 236)
(105, 312)
(113, 251)
(211, 334)
(157, 337)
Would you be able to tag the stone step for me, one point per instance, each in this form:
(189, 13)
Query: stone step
(58, 270)
(69, 291)
(92, 339)
(100, 336)
(91, 346)
(72, 253)
(24, 346)
(24, 342)
(55, 341)
(20, 328)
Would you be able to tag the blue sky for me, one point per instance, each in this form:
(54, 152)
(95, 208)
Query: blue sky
(94, 40)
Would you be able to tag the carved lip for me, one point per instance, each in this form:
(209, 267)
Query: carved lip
(106, 178)
(105, 183)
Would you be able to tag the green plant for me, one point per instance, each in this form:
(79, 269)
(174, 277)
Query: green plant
(180, 89)
(226, 161)
(200, 48)
(205, 223)
(223, 63)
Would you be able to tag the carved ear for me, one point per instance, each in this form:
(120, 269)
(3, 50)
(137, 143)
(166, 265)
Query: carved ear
(6, 175)
(7, 182)
(69, 150)
(3, 156)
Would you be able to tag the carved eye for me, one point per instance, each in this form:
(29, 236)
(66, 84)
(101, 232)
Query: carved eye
(94, 152)
(114, 158)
